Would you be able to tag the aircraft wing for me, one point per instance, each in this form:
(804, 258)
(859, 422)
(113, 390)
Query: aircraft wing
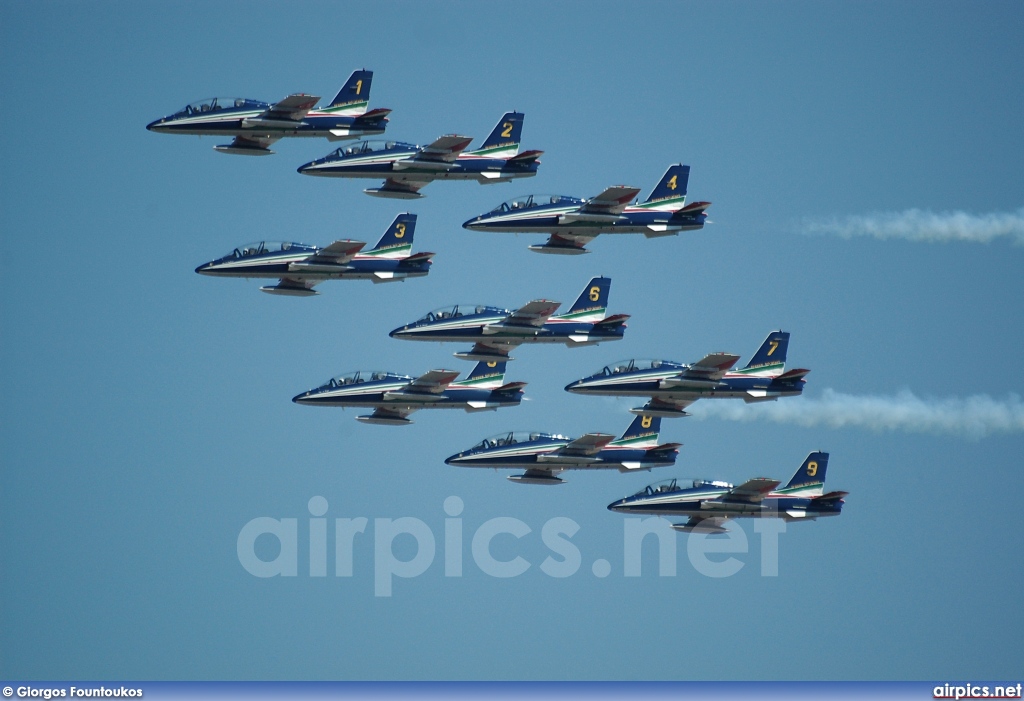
(250, 143)
(293, 108)
(338, 252)
(433, 382)
(612, 201)
(535, 313)
(750, 492)
(705, 372)
(445, 149)
(383, 415)
(590, 444)
(714, 525)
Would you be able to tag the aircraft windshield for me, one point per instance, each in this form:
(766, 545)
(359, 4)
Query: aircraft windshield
(457, 310)
(503, 439)
(528, 201)
(217, 104)
(663, 487)
(362, 147)
(635, 364)
(360, 376)
(262, 247)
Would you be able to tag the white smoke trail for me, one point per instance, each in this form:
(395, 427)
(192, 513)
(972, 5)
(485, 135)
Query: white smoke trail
(975, 416)
(930, 227)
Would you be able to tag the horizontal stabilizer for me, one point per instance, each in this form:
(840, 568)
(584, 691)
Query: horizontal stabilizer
(417, 258)
(372, 115)
(694, 208)
(831, 496)
(613, 321)
(526, 157)
(665, 447)
(792, 375)
(510, 387)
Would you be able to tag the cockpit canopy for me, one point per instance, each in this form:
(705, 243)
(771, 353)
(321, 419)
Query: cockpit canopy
(360, 376)
(457, 310)
(361, 147)
(671, 485)
(218, 104)
(529, 201)
(637, 364)
(503, 439)
(263, 247)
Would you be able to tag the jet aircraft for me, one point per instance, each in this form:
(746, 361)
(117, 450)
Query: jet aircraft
(300, 266)
(710, 504)
(673, 386)
(544, 455)
(407, 168)
(573, 222)
(393, 397)
(495, 331)
(256, 125)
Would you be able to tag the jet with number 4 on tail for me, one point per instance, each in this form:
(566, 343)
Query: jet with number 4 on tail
(256, 124)
(573, 222)
(544, 455)
(299, 267)
(495, 331)
(673, 386)
(393, 396)
(708, 505)
(407, 168)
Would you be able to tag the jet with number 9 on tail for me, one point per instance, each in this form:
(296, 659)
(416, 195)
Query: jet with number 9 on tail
(544, 455)
(573, 222)
(256, 124)
(674, 386)
(393, 396)
(710, 504)
(407, 168)
(495, 331)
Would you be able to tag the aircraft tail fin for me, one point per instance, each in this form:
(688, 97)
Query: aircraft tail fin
(504, 139)
(670, 192)
(642, 433)
(809, 480)
(354, 96)
(770, 358)
(397, 240)
(486, 375)
(592, 304)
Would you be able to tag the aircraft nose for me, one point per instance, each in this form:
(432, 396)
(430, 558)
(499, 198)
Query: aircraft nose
(397, 333)
(303, 398)
(572, 386)
(468, 224)
(204, 269)
(617, 505)
(306, 168)
(155, 125)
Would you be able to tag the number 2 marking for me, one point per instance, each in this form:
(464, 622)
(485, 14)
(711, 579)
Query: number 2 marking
(400, 232)
(645, 421)
(774, 344)
(672, 183)
(812, 468)
(595, 293)
(359, 86)
(507, 130)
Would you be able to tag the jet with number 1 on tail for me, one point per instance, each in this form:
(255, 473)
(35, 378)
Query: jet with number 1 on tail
(673, 386)
(709, 504)
(393, 396)
(407, 168)
(299, 267)
(573, 222)
(495, 331)
(256, 124)
(544, 455)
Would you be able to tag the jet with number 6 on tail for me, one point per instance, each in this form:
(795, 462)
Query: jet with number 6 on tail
(407, 168)
(544, 455)
(573, 222)
(393, 396)
(495, 331)
(256, 124)
(674, 386)
(710, 504)
(299, 266)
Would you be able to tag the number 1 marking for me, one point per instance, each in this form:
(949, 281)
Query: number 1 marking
(359, 86)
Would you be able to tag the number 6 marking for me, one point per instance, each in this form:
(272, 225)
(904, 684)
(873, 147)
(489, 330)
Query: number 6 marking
(595, 293)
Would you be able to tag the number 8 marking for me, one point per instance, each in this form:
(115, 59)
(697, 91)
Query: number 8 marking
(645, 421)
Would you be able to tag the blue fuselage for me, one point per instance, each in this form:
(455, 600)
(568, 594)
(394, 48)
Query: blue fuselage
(560, 217)
(394, 160)
(389, 394)
(700, 503)
(655, 383)
(538, 454)
(243, 121)
(484, 328)
(280, 264)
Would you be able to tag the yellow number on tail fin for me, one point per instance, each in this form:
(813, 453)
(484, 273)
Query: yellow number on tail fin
(507, 131)
(493, 363)
(812, 468)
(774, 344)
(645, 421)
(359, 86)
(400, 232)
(671, 183)
(595, 293)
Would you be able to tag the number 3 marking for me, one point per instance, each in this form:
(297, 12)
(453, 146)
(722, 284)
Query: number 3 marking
(595, 293)
(507, 131)
(812, 468)
(400, 232)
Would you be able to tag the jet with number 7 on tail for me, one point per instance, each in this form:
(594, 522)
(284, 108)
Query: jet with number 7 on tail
(674, 386)
(495, 331)
(573, 222)
(407, 168)
(256, 124)
(710, 504)
(393, 396)
(544, 455)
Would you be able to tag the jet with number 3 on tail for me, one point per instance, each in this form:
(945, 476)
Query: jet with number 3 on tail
(393, 396)
(709, 504)
(495, 331)
(674, 386)
(544, 455)
(299, 267)
(256, 124)
(407, 168)
(573, 222)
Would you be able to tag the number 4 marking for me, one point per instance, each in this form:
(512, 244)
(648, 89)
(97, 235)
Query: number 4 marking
(672, 183)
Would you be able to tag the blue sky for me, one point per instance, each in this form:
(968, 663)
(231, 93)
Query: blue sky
(145, 409)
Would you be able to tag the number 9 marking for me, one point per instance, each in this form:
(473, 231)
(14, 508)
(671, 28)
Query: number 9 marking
(812, 468)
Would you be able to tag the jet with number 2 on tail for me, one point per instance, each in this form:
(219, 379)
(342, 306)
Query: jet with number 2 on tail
(710, 504)
(495, 331)
(573, 222)
(256, 124)
(674, 386)
(393, 397)
(407, 168)
(544, 455)
(299, 266)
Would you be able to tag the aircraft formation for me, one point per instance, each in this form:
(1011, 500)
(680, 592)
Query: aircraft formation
(570, 223)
